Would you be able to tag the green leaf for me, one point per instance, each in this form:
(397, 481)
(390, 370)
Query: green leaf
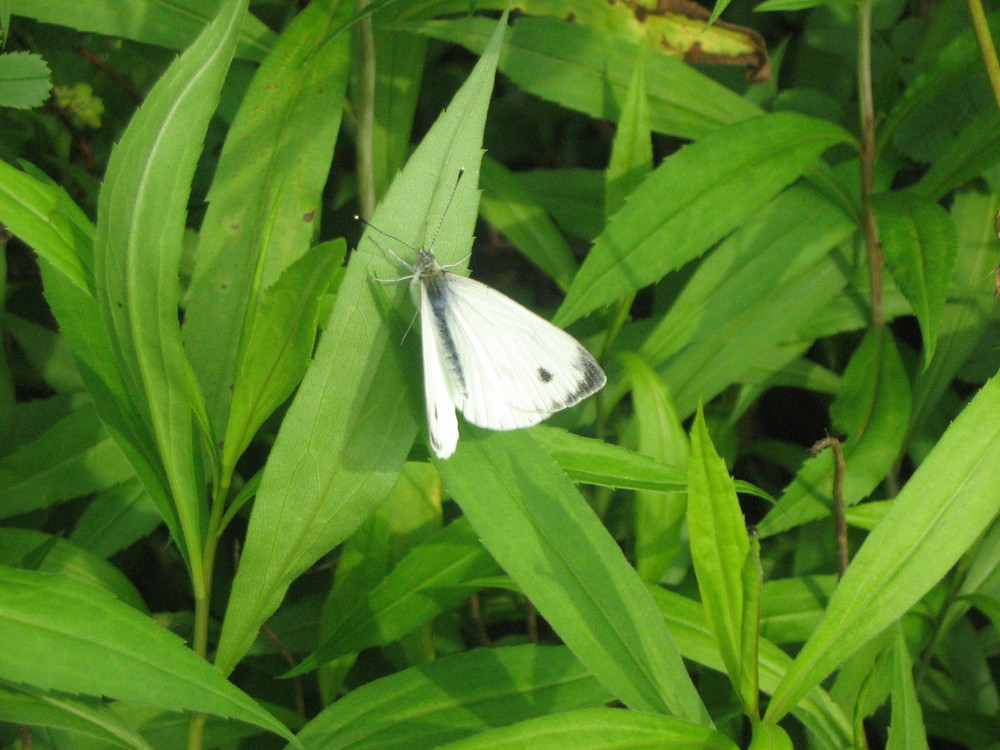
(90, 717)
(263, 214)
(966, 156)
(25, 80)
(873, 410)
(543, 533)
(137, 253)
(769, 737)
(791, 608)
(593, 461)
(589, 71)
(399, 68)
(937, 516)
(919, 242)
(72, 458)
(354, 410)
(425, 583)
(409, 516)
(7, 394)
(18, 548)
(46, 218)
(47, 351)
(906, 732)
(719, 545)
(173, 24)
(829, 727)
(573, 197)
(598, 729)
(116, 518)
(782, 5)
(632, 149)
(966, 314)
(692, 200)
(512, 210)
(454, 697)
(279, 345)
(76, 638)
(944, 74)
(659, 517)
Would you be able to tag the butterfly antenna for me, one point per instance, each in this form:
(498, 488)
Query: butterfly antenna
(446, 207)
(391, 237)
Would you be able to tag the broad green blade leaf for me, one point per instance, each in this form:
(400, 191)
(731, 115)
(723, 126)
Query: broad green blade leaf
(279, 345)
(90, 717)
(137, 253)
(263, 211)
(919, 242)
(399, 68)
(975, 150)
(872, 410)
(598, 729)
(170, 23)
(69, 460)
(965, 317)
(776, 5)
(782, 247)
(719, 545)
(750, 297)
(573, 197)
(769, 737)
(632, 150)
(116, 518)
(424, 584)
(454, 697)
(78, 639)
(659, 517)
(20, 548)
(959, 60)
(7, 395)
(353, 420)
(906, 732)
(44, 217)
(943, 508)
(589, 71)
(829, 727)
(25, 80)
(47, 351)
(409, 516)
(542, 532)
(692, 200)
(511, 208)
(593, 461)
(791, 608)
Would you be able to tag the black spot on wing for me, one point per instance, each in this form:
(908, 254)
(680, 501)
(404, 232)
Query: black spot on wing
(544, 375)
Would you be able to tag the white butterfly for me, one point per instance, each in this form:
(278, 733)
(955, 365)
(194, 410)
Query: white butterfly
(503, 366)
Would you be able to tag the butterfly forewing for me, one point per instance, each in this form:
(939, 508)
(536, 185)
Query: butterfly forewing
(513, 368)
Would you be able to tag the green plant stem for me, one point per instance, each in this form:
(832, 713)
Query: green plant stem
(867, 111)
(365, 113)
(203, 599)
(982, 31)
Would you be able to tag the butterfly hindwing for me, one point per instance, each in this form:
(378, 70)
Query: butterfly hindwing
(512, 368)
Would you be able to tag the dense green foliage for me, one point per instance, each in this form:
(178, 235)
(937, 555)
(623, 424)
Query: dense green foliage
(220, 524)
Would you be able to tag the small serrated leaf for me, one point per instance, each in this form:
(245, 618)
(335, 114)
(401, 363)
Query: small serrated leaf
(920, 242)
(25, 80)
